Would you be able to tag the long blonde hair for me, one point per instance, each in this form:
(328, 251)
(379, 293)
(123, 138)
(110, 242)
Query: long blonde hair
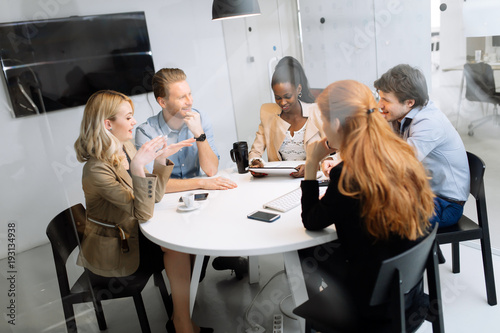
(95, 140)
(380, 169)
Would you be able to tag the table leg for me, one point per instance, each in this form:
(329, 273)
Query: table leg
(296, 281)
(195, 281)
(253, 269)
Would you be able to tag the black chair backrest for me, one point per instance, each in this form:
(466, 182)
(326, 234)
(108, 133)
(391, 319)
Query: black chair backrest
(476, 168)
(479, 82)
(65, 231)
(409, 267)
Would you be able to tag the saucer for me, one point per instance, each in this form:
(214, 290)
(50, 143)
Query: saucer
(182, 207)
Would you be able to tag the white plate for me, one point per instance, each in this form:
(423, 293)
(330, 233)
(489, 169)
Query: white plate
(182, 207)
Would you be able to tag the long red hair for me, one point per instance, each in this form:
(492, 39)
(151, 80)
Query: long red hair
(380, 169)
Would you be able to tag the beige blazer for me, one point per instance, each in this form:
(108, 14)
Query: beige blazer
(114, 198)
(272, 130)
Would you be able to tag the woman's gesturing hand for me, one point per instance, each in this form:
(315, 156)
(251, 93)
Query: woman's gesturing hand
(147, 153)
(169, 150)
(156, 148)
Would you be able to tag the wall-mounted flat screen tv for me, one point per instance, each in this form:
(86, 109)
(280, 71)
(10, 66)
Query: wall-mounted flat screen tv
(58, 63)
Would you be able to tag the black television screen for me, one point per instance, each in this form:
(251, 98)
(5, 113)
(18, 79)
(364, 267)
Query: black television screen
(58, 63)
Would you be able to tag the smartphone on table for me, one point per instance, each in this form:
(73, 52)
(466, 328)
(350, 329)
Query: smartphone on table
(198, 197)
(263, 216)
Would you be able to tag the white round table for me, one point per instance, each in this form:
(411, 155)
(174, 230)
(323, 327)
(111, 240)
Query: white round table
(220, 227)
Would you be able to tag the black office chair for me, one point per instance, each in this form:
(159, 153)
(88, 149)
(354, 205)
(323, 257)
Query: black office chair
(65, 232)
(466, 229)
(328, 311)
(480, 87)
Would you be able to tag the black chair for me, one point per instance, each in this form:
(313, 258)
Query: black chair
(480, 87)
(466, 229)
(329, 311)
(65, 232)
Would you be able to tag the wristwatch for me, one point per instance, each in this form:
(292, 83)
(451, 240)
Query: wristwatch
(201, 138)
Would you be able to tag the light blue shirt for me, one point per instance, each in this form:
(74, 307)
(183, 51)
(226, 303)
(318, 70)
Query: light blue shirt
(441, 151)
(186, 161)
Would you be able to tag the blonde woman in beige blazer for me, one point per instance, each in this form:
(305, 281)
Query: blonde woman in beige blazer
(294, 115)
(120, 194)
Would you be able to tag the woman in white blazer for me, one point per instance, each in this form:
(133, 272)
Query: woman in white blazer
(289, 125)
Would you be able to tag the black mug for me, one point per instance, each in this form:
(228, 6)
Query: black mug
(239, 155)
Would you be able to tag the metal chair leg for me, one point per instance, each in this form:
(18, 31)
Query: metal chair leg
(455, 257)
(69, 316)
(488, 271)
(141, 313)
(101, 321)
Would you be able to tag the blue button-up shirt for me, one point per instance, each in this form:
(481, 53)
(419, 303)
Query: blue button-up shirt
(441, 151)
(186, 161)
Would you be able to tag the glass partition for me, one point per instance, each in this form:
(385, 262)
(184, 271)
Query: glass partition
(229, 65)
(460, 38)
(357, 40)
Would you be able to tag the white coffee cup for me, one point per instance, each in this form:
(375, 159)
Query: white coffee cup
(188, 199)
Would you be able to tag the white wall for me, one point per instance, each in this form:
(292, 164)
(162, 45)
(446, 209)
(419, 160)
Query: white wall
(252, 46)
(451, 36)
(361, 40)
(484, 11)
(39, 172)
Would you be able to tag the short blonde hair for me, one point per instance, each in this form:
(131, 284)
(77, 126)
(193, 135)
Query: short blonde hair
(163, 78)
(95, 140)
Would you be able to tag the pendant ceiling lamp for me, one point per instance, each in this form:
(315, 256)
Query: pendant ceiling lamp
(226, 9)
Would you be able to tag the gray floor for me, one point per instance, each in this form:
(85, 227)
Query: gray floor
(222, 300)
